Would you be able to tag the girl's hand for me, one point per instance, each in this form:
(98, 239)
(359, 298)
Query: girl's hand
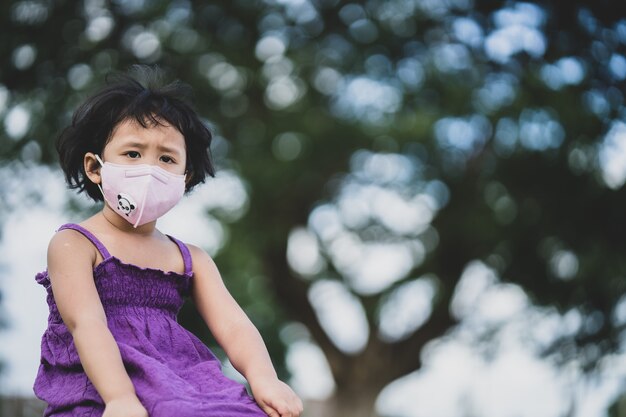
(276, 398)
(127, 406)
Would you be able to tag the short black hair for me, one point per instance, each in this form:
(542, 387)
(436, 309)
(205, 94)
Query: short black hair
(139, 95)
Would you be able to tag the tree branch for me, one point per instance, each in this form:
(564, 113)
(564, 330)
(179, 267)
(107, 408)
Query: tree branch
(292, 293)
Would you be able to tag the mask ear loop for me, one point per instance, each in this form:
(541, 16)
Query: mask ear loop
(99, 186)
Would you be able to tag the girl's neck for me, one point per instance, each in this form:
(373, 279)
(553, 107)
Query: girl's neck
(115, 221)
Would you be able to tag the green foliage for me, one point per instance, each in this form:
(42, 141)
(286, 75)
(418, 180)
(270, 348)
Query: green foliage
(503, 108)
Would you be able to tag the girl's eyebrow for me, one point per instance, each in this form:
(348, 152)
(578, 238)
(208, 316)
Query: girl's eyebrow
(134, 144)
(169, 149)
(163, 148)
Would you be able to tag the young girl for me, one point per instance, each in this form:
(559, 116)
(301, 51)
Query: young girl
(115, 283)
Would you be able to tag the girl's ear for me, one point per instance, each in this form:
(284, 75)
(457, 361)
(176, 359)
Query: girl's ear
(188, 177)
(92, 168)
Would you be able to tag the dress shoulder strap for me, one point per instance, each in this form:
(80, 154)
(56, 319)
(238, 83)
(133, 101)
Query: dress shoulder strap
(92, 238)
(184, 250)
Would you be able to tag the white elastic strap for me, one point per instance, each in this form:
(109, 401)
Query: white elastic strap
(99, 186)
(104, 196)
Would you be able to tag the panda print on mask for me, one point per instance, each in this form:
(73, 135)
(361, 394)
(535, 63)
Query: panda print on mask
(125, 204)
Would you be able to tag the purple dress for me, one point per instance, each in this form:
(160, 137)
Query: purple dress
(174, 373)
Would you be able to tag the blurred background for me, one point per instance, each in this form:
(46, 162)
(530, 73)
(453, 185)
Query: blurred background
(418, 202)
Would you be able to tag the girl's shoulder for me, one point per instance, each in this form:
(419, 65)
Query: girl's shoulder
(195, 250)
(69, 233)
(70, 243)
(204, 266)
(197, 254)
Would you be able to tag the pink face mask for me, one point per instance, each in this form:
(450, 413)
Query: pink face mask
(140, 193)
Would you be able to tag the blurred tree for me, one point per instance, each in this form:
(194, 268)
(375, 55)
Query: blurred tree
(435, 132)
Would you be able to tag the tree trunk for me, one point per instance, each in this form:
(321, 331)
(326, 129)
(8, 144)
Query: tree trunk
(345, 403)
(21, 406)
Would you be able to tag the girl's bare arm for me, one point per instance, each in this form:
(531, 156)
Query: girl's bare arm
(239, 338)
(70, 265)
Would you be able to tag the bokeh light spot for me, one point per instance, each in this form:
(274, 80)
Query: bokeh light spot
(24, 56)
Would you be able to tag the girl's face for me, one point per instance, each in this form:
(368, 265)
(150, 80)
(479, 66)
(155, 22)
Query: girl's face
(160, 145)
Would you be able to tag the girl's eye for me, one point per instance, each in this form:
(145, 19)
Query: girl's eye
(133, 154)
(166, 159)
